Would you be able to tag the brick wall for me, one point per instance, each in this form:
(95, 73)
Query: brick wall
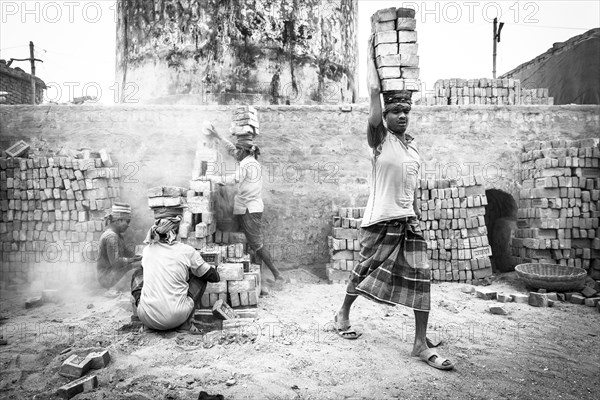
(17, 83)
(315, 158)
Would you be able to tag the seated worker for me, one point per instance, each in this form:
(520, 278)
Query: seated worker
(168, 287)
(115, 259)
(248, 204)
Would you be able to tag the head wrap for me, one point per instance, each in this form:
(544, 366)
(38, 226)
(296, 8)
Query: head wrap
(394, 98)
(164, 229)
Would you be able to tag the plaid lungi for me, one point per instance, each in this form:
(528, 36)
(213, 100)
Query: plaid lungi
(393, 266)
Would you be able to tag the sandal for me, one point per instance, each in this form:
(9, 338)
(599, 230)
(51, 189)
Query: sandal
(437, 362)
(343, 329)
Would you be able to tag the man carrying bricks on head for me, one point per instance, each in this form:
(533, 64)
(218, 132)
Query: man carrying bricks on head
(115, 261)
(248, 203)
(168, 287)
(393, 266)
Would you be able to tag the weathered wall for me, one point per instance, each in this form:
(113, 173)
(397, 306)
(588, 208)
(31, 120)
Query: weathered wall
(216, 52)
(315, 158)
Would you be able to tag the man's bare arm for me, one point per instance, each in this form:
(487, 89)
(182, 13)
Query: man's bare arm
(374, 87)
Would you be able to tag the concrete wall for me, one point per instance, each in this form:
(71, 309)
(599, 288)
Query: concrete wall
(315, 158)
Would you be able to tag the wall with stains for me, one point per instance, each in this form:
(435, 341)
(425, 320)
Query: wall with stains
(252, 51)
(315, 158)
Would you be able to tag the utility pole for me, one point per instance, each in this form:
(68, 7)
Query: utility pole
(31, 59)
(496, 38)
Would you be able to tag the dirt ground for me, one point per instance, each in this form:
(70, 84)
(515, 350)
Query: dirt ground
(288, 352)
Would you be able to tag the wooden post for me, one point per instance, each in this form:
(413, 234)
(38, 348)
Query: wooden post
(32, 59)
(494, 52)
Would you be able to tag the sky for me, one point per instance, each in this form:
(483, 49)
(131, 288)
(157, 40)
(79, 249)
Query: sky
(76, 39)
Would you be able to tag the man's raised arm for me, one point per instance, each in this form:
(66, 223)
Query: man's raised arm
(375, 111)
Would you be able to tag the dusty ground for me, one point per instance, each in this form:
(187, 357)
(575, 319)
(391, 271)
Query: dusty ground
(531, 353)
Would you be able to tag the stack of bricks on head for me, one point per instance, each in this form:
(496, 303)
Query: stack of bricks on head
(245, 124)
(240, 283)
(453, 225)
(51, 203)
(395, 41)
(559, 205)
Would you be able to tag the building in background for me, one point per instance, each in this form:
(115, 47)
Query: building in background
(247, 51)
(15, 86)
(569, 70)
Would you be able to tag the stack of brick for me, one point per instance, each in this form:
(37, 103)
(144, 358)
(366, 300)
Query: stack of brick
(453, 225)
(199, 217)
(239, 286)
(559, 206)
(240, 283)
(537, 96)
(52, 212)
(245, 124)
(395, 41)
(484, 91)
(344, 246)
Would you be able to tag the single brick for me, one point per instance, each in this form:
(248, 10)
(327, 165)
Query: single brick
(588, 292)
(486, 294)
(222, 310)
(577, 299)
(75, 366)
(592, 301)
(81, 385)
(34, 302)
(504, 298)
(99, 359)
(231, 271)
(538, 299)
(497, 310)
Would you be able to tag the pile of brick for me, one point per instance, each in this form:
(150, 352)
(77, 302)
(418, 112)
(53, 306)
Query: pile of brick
(506, 91)
(395, 41)
(588, 296)
(535, 96)
(240, 283)
(245, 124)
(453, 223)
(559, 206)
(344, 246)
(52, 212)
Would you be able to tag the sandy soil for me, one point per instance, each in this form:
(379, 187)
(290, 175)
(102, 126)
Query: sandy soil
(287, 353)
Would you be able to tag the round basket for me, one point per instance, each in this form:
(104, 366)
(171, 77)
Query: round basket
(552, 276)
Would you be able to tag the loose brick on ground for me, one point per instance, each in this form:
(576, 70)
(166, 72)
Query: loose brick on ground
(495, 309)
(520, 298)
(99, 359)
(71, 389)
(538, 299)
(577, 299)
(504, 298)
(486, 294)
(75, 366)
